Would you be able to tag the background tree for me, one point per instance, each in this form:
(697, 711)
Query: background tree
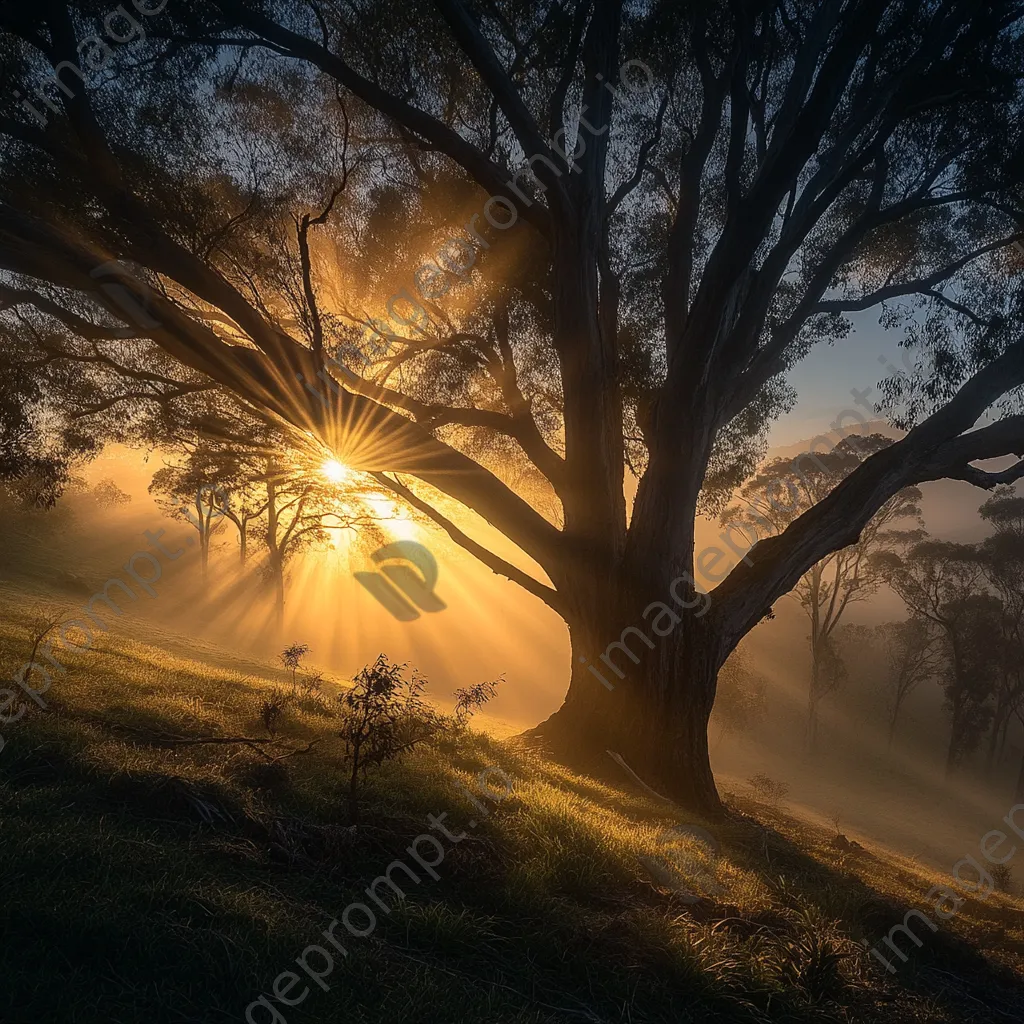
(782, 491)
(108, 495)
(238, 472)
(664, 269)
(247, 499)
(1003, 562)
(912, 656)
(943, 582)
(301, 511)
(742, 696)
(190, 490)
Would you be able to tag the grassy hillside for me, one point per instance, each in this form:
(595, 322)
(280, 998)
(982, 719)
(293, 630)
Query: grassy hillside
(146, 878)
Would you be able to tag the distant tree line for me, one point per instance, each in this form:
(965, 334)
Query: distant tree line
(270, 496)
(964, 630)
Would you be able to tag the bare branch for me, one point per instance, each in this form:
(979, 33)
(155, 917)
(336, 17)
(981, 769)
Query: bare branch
(497, 565)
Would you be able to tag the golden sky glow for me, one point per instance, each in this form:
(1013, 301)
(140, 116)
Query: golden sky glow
(335, 471)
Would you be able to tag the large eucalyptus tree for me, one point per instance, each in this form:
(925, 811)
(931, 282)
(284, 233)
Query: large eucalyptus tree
(250, 163)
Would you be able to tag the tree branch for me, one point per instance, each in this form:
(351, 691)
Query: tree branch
(496, 564)
(492, 177)
(935, 449)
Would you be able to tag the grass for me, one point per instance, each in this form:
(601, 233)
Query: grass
(143, 882)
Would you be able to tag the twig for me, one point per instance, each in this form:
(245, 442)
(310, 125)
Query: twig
(254, 743)
(617, 758)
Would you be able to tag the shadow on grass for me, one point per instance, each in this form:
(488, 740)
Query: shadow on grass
(145, 884)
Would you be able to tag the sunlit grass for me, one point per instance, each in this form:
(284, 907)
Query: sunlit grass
(544, 913)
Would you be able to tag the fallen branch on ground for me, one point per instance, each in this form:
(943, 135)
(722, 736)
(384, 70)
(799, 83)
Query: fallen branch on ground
(254, 743)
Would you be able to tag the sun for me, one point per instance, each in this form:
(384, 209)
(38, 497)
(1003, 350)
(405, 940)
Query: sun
(335, 471)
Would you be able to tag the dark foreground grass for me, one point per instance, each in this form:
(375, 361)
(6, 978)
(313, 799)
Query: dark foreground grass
(141, 882)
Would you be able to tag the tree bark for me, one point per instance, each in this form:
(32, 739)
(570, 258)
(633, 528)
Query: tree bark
(655, 713)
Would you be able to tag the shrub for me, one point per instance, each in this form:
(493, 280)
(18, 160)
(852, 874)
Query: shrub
(291, 657)
(767, 788)
(384, 715)
(272, 706)
(1002, 877)
(470, 699)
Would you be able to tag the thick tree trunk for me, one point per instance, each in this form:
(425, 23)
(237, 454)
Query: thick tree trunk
(649, 703)
(1018, 794)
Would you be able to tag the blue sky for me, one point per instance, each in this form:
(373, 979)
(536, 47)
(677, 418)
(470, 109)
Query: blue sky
(823, 380)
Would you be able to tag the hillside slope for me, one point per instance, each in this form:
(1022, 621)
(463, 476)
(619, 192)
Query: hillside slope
(145, 877)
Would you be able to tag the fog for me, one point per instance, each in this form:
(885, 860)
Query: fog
(490, 629)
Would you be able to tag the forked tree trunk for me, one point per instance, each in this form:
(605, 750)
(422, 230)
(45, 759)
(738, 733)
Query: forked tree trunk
(655, 716)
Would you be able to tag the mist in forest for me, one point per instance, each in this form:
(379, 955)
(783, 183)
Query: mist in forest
(873, 775)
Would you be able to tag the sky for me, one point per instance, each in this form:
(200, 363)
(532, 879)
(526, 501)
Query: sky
(824, 379)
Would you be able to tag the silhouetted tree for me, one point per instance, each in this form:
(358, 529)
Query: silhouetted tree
(944, 583)
(680, 248)
(189, 490)
(1003, 561)
(107, 494)
(912, 656)
(301, 511)
(782, 491)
